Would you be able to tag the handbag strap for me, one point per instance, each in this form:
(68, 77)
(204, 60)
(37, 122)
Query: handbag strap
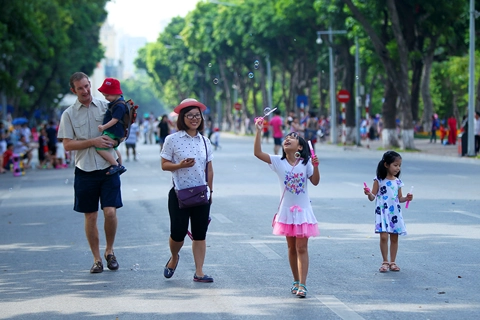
(285, 189)
(206, 163)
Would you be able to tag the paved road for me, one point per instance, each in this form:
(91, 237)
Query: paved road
(45, 260)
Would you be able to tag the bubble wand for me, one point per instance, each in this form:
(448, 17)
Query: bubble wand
(265, 114)
(408, 201)
(311, 148)
(366, 187)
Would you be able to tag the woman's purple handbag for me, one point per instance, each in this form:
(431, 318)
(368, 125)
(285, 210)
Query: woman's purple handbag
(194, 196)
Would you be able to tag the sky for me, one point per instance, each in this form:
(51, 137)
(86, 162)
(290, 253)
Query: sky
(146, 18)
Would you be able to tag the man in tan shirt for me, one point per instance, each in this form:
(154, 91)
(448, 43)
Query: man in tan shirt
(78, 131)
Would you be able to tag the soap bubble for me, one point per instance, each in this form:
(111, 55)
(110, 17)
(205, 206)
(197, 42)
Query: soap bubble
(215, 81)
(250, 75)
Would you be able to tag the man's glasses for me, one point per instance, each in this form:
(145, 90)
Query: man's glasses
(193, 116)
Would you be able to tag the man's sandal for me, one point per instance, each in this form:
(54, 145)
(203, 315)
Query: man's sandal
(294, 287)
(385, 267)
(302, 291)
(393, 267)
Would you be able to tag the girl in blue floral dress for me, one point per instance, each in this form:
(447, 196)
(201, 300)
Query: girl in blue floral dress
(387, 193)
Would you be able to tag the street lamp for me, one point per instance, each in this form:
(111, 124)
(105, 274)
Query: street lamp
(471, 85)
(358, 101)
(269, 77)
(333, 106)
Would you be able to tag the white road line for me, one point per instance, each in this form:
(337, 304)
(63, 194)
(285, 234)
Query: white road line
(457, 176)
(266, 251)
(467, 213)
(339, 308)
(356, 185)
(221, 218)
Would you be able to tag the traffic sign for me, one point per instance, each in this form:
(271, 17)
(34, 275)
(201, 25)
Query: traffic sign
(343, 96)
(237, 106)
(302, 101)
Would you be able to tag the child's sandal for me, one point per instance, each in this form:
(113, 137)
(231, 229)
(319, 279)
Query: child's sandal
(385, 267)
(302, 291)
(393, 267)
(294, 287)
(113, 169)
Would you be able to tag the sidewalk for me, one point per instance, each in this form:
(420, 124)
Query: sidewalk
(423, 145)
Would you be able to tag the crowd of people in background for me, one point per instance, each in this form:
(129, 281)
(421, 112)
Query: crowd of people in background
(18, 143)
(21, 140)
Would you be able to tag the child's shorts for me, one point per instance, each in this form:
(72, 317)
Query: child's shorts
(112, 136)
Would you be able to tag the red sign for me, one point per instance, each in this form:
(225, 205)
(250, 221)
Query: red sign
(237, 106)
(343, 96)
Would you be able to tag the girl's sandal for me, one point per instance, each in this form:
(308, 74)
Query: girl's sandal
(294, 287)
(302, 293)
(385, 267)
(393, 267)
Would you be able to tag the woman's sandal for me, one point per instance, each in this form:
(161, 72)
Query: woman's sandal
(385, 267)
(393, 267)
(294, 287)
(302, 293)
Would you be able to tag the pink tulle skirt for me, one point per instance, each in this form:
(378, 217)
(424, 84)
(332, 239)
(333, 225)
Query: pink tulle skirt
(305, 230)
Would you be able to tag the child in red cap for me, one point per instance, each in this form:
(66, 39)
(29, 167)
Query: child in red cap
(112, 125)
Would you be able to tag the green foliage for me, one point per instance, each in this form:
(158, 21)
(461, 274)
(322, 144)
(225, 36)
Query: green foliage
(42, 43)
(141, 91)
(450, 85)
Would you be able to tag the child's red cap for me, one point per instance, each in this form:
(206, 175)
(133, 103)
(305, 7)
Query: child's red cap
(110, 86)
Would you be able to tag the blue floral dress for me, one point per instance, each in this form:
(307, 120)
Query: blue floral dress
(388, 212)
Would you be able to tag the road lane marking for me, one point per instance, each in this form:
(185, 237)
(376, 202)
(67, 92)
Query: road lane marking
(221, 218)
(266, 251)
(457, 176)
(467, 213)
(339, 308)
(356, 185)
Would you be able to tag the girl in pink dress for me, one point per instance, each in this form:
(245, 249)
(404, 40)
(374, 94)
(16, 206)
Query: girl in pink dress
(295, 219)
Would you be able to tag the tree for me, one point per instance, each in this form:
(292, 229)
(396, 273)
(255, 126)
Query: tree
(43, 42)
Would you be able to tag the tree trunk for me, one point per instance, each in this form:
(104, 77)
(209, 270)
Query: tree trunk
(398, 77)
(477, 94)
(349, 86)
(402, 83)
(415, 88)
(227, 107)
(389, 111)
(426, 96)
(321, 100)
